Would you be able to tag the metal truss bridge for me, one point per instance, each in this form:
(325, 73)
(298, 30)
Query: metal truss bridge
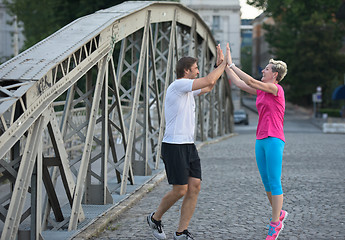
(81, 112)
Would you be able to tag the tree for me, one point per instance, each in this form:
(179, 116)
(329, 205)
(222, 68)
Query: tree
(308, 37)
(246, 59)
(41, 18)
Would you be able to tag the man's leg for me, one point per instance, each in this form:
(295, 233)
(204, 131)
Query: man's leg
(167, 201)
(189, 203)
(170, 199)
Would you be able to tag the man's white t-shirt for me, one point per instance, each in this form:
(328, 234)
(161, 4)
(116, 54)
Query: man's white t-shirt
(180, 112)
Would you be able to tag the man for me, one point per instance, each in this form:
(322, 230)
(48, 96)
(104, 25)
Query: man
(180, 156)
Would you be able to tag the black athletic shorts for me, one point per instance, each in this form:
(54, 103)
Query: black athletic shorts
(181, 162)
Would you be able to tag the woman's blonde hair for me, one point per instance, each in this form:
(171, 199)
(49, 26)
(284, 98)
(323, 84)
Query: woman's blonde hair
(280, 67)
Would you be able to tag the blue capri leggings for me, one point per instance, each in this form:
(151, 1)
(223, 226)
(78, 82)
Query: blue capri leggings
(269, 158)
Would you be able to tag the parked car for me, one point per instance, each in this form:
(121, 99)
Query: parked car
(241, 116)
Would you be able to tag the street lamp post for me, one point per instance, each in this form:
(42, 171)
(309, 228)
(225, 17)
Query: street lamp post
(317, 99)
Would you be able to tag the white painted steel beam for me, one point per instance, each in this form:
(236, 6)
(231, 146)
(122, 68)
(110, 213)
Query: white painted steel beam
(166, 84)
(131, 134)
(78, 193)
(22, 182)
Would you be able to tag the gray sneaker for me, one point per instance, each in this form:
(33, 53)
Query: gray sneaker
(185, 236)
(156, 227)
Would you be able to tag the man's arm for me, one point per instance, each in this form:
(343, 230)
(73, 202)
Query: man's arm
(207, 83)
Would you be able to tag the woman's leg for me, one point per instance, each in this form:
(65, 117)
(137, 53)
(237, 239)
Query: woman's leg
(277, 204)
(274, 157)
(269, 196)
(260, 156)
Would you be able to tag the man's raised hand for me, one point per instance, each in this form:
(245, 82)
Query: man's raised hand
(220, 55)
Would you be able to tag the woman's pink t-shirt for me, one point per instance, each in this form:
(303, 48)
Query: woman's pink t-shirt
(271, 111)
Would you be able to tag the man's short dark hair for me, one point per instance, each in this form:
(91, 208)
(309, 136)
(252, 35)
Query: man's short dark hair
(184, 63)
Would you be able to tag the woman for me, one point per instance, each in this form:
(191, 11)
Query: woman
(270, 140)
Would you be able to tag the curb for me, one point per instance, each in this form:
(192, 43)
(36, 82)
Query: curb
(99, 224)
(102, 221)
(201, 144)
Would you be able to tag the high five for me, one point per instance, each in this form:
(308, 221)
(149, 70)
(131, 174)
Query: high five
(180, 156)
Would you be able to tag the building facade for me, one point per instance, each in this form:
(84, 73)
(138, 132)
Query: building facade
(246, 33)
(224, 19)
(11, 37)
(261, 52)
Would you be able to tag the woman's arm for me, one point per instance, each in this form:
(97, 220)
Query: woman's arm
(233, 77)
(238, 82)
(252, 83)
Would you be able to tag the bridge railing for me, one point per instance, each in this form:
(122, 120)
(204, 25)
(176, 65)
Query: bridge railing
(85, 106)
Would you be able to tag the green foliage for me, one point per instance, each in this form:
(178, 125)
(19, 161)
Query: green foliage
(308, 37)
(41, 18)
(246, 59)
(331, 112)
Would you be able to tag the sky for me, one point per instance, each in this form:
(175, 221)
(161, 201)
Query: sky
(248, 12)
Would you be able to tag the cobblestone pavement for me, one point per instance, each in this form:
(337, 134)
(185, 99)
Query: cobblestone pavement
(233, 204)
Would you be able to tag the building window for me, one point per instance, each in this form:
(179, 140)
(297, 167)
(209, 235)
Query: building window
(216, 23)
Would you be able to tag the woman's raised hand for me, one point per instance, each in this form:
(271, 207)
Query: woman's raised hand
(228, 55)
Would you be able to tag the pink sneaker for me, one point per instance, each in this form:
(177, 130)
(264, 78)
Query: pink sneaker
(283, 215)
(273, 232)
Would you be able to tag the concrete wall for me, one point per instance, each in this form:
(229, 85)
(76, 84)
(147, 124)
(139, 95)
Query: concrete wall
(229, 28)
(261, 54)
